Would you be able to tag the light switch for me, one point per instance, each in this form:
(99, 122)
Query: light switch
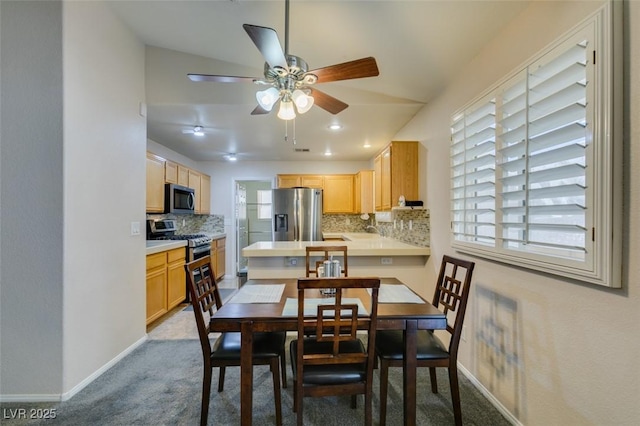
(135, 228)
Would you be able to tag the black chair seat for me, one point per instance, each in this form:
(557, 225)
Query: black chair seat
(329, 374)
(265, 345)
(390, 345)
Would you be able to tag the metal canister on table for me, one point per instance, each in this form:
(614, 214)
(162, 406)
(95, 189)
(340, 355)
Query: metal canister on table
(335, 268)
(328, 268)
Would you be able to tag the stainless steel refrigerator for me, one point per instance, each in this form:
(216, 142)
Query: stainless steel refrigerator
(297, 214)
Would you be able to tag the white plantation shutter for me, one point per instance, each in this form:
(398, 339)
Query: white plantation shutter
(523, 164)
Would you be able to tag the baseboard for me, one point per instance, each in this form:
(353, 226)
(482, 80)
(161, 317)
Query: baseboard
(67, 395)
(77, 388)
(492, 399)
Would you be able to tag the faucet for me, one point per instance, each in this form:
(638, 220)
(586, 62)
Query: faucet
(379, 231)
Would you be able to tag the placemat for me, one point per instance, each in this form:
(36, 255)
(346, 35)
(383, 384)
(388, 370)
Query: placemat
(311, 305)
(258, 293)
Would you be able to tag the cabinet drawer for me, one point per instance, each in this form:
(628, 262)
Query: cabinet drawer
(156, 260)
(175, 254)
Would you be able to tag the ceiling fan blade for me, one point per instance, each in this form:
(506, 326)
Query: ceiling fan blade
(258, 110)
(221, 78)
(266, 40)
(360, 68)
(326, 102)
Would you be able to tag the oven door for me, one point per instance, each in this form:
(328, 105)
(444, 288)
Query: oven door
(194, 253)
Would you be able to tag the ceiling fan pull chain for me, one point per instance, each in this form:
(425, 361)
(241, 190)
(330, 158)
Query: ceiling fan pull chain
(294, 131)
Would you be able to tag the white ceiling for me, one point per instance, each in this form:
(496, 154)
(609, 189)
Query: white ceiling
(419, 46)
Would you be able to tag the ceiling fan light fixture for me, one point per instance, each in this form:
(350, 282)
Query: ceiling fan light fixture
(303, 101)
(267, 98)
(286, 111)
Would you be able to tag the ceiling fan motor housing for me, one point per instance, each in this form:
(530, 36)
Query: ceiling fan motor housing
(293, 78)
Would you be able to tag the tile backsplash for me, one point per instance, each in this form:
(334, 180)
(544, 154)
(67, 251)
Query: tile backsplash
(398, 228)
(194, 223)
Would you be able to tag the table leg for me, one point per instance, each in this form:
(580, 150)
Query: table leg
(410, 363)
(246, 372)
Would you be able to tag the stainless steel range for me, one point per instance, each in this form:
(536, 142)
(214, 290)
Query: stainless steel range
(198, 245)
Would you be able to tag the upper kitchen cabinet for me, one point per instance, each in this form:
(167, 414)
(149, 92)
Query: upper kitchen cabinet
(205, 194)
(396, 174)
(161, 171)
(307, 181)
(338, 194)
(194, 182)
(363, 192)
(155, 183)
(170, 172)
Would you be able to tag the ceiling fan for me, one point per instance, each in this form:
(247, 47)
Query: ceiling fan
(289, 77)
(195, 130)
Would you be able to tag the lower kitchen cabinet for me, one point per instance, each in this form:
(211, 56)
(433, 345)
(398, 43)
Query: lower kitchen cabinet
(218, 257)
(166, 282)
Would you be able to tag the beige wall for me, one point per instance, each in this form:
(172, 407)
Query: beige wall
(551, 351)
(73, 161)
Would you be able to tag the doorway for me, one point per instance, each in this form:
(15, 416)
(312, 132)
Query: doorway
(253, 217)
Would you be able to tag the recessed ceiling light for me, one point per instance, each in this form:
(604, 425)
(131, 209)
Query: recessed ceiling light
(367, 145)
(335, 126)
(231, 157)
(197, 131)
(328, 154)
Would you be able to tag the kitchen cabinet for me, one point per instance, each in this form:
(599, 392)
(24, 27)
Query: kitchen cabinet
(183, 175)
(155, 183)
(338, 194)
(293, 180)
(218, 257)
(205, 194)
(363, 191)
(194, 183)
(176, 278)
(166, 282)
(170, 172)
(396, 170)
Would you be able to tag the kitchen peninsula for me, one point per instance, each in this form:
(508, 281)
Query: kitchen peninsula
(369, 255)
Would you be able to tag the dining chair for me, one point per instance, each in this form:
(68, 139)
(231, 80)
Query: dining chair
(268, 348)
(451, 295)
(325, 252)
(334, 361)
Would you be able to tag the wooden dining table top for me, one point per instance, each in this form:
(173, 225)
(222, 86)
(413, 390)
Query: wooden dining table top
(270, 317)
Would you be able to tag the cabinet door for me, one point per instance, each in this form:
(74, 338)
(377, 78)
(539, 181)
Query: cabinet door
(220, 258)
(170, 172)
(338, 194)
(183, 175)
(288, 181)
(155, 184)
(404, 171)
(156, 286)
(385, 180)
(377, 182)
(205, 194)
(194, 183)
(364, 192)
(176, 278)
(312, 181)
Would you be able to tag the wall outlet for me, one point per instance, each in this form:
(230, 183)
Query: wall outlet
(290, 261)
(386, 260)
(135, 228)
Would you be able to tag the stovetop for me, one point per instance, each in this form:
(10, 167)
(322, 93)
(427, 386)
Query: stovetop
(194, 240)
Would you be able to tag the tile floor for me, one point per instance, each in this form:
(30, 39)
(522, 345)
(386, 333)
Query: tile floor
(180, 324)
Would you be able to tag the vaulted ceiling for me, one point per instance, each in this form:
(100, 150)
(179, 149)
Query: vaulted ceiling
(419, 47)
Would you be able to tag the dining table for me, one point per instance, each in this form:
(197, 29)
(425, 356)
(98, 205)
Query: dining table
(265, 305)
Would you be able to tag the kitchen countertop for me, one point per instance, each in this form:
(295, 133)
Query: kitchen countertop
(157, 246)
(375, 245)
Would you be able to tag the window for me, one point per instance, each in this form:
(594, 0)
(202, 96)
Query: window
(264, 204)
(534, 176)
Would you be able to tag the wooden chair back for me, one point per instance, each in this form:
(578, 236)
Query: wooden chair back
(324, 252)
(204, 295)
(451, 295)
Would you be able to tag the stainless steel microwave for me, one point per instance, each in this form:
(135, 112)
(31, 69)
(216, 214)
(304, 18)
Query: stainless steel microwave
(179, 199)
